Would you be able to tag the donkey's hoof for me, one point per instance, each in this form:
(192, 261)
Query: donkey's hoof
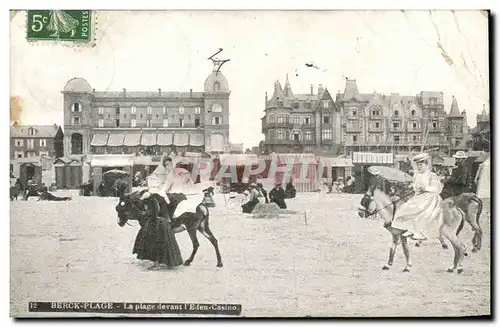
(474, 250)
(444, 246)
(417, 245)
(385, 267)
(460, 270)
(406, 270)
(187, 263)
(450, 270)
(219, 265)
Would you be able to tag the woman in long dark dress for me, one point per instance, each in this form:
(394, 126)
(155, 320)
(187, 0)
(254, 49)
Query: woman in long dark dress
(156, 239)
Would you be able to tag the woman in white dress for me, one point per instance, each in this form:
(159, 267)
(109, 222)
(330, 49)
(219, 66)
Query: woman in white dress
(420, 217)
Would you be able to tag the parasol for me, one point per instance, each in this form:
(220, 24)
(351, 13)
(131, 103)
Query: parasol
(392, 174)
(116, 173)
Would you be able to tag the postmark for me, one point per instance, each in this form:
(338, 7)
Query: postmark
(60, 25)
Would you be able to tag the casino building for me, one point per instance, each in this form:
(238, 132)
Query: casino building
(146, 122)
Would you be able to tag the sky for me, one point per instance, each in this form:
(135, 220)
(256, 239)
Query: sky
(385, 51)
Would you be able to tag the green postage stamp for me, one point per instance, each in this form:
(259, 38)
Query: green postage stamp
(60, 25)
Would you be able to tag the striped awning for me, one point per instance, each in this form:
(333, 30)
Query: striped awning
(148, 139)
(371, 158)
(132, 139)
(116, 139)
(99, 139)
(336, 162)
(196, 139)
(181, 139)
(164, 139)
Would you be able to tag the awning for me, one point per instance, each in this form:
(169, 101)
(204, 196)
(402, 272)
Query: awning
(99, 139)
(132, 139)
(164, 139)
(181, 139)
(116, 139)
(196, 139)
(148, 139)
(371, 158)
(112, 160)
(336, 162)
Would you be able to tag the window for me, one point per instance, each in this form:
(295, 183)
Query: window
(432, 101)
(396, 112)
(216, 121)
(434, 124)
(19, 142)
(31, 131)
(141, 116)
(44, 153)
(377, 138)
(309, 136)
(414, 137)
(280, 103)
(76, 120)
(281, 119)
(376, 113)
(125, 116)
(307, 120)
(181, 122)
(19, 154)
(216, 87)
(270, 133)
(157, 116)
(149, 110)
(396, 138)
(377, 125)
(355, 138)
(216, 107)
(287, 119)
(281, 135)
(296, 119)
(165, 122)
(271, 119)
(148, 123)
(76, 107)
(31, 154)
(413, 112)
(101, 123)
(109, 116)
(414, 125)
(133, 123)
(164, 110)
(31, 144)
(307, 105)
(43, 143)
(117, 122)
(197, 110)
(326, 104)
(296, 105)
(395, 124)
(296, 136)
(326, 120)
(327, 134)
(117, 110)
(133, 110)
(354, 113)
(101, 111)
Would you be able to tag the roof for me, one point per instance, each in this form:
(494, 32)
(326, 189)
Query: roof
(112, 160)
(181, 139)
(132, 139)
(196, 139)
(66, 160)
(165, 139)
(236, 147)
(116, 139)
(40, 131)
(148, 139)
(148, 94)
(77, 85)
(372, 158)
(454, 112)
(216, 76)
(99, 139)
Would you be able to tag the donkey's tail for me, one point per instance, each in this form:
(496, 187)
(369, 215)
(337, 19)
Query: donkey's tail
(462, 221)
(476, 199)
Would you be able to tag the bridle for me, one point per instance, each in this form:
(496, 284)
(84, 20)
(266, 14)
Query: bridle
(368, 198)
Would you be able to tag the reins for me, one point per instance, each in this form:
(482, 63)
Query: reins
(386, 206)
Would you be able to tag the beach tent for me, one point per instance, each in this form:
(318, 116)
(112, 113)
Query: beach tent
(483, 180)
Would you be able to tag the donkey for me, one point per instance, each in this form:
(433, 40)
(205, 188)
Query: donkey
(376, 201)
(132, 207)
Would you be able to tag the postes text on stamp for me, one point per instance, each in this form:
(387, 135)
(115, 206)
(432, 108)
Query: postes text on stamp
(59, 25)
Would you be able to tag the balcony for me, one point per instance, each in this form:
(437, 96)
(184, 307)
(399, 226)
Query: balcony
(353, 129)
(275, 141)
(374, 129)
(399, 129)
(412, 129)
(436, 129)
(266, 125)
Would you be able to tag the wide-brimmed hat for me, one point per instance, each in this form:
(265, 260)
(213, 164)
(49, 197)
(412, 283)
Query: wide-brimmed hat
(373, 170)
(421, 157)
(460, 155)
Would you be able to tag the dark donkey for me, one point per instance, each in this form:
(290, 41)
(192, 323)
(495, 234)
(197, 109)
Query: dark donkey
(132, 207)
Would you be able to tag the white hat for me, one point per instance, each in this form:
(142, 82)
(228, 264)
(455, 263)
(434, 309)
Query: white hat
(374, 170)
(460, 155)
(421, 157)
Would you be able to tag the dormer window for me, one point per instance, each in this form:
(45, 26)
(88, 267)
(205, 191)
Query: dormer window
(354, 113)
(325, 104)
(396, 113)
(76, 107)
(181, 110)
(31, 131)
(216, 87)
(133, 110)
(271, 119)
(280, 103)
(413, 112)
(149, 110)
(296, 105)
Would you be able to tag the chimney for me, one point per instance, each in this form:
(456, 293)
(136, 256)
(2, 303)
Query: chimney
(15, 124)
(93, 90)
(266, 97)
(312, 89)
(320, 88)
(159, 92)
(124, 93)
(55, 126)
(190, 93)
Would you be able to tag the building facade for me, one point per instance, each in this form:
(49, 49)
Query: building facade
(362, 122)
(300, 122)
(481, 134)
(151, 123)
(29, 141)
